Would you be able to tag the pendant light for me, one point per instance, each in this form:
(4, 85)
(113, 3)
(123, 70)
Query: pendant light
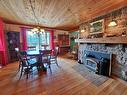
(38, 30)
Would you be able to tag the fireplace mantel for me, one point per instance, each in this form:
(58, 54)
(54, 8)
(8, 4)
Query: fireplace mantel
(108, 40)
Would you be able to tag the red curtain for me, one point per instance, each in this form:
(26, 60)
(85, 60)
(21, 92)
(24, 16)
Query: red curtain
(24, 39)
(3, 55)
(52, 45)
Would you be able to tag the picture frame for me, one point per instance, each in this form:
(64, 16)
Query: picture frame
(97, 27)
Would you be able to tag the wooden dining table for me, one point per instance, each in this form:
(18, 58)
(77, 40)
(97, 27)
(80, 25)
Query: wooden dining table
(38, 57)
(33, 53)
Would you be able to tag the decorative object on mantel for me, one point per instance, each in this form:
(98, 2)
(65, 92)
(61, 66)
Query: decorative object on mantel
(97, 27)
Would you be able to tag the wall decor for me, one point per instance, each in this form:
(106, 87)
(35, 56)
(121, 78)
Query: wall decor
(97, 27)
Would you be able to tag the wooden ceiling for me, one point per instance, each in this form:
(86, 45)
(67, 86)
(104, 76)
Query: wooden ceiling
(57, 14)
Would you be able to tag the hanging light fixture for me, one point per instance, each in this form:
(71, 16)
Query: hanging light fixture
(113, 22)
(38, 30)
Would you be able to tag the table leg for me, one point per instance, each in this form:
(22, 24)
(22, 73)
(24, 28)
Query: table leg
(40, 64)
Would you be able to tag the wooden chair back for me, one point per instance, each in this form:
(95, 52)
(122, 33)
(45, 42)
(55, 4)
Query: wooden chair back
(45, 52)
(22, 56)
(31, 48)
(46, 55)
(56, 51)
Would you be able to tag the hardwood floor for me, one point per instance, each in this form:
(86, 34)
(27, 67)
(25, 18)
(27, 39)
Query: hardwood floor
(62, 81)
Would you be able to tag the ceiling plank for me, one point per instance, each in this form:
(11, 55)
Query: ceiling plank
(61, 14)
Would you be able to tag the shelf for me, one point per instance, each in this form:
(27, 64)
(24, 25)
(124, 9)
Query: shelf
(107, 40)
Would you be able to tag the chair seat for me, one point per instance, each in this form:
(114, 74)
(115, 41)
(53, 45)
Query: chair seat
(32, 61)
(52, 57)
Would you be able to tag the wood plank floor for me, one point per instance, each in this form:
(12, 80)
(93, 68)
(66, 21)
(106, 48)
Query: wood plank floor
(62, 81)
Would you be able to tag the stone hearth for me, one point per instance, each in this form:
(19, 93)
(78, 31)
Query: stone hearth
(118, 50)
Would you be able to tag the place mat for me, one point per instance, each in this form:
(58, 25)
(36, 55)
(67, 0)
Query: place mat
(90, 75)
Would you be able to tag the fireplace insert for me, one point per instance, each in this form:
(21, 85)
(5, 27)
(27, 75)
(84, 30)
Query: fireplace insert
(98, 62)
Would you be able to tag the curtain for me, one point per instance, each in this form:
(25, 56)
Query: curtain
(24, 38)
(52, 45)
(1, 45)
(3, 53)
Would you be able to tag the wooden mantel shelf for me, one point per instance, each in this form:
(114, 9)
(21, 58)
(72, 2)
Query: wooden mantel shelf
(108, 40)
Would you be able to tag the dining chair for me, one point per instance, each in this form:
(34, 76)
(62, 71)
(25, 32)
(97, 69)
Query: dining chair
(46, 56)
(17, 52)
(54, 56)
(25, 64)
(31, 48)
(44, 47)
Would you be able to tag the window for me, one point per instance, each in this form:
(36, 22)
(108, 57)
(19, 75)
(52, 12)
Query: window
(33, 39)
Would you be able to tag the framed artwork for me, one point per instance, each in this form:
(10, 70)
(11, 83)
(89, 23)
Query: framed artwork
(97, 27)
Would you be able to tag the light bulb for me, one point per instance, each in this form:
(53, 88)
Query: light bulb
(35, 29)
(42, 30)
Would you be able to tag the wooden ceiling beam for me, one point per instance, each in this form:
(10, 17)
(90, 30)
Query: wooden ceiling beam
(56, 14)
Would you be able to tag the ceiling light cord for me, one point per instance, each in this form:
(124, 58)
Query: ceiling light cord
(38, 30)
(33, 10)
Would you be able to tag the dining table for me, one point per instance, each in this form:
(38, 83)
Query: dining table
(36, 54)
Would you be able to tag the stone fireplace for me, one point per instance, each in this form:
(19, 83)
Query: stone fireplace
(119, 52)
(98, 62)
(113, 40)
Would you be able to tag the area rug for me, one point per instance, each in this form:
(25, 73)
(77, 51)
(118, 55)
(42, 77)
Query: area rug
(89, 75)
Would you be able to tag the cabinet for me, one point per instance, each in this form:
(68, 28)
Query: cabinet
(63, 42)
(13, 41)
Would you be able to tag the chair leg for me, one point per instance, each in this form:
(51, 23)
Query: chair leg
(19, 67)
(27, 73)
(50, 67)
(21, 72)
(56, 62)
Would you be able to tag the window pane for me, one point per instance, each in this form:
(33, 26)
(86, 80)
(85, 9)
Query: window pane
(33, 39)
